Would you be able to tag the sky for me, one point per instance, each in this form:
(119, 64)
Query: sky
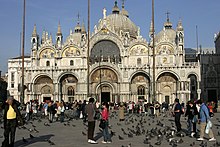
(46, 14)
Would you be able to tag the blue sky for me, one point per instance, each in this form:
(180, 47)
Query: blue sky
(47, 13)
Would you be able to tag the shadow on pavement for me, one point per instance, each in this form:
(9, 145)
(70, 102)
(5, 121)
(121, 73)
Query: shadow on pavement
(44, 138)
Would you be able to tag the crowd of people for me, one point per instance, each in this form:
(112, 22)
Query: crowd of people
(197, 112)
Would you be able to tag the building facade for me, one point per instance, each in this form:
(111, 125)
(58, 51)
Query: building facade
(3, 88)
(120, 64)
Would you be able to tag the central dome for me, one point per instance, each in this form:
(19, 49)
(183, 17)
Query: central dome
(119, 21)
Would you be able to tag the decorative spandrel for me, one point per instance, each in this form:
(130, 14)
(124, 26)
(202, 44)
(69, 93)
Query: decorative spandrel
(47, 53)
(139, 50)
(71, 52)
(105, 75)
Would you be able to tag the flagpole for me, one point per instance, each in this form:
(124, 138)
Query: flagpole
(23, 45)
(88, 45)
(154, 89)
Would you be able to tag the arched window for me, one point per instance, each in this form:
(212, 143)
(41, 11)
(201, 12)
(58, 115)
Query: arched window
(70, 91)
(139, 61)
(71, 63)
(141, 90)
(48, 63)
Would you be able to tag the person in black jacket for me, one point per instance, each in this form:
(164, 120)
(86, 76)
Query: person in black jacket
(12, 117)
(191, 112)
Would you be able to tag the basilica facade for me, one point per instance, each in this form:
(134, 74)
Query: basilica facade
(120, 64)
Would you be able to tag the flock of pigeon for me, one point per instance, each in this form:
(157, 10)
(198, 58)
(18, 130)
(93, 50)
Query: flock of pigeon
(136, 130)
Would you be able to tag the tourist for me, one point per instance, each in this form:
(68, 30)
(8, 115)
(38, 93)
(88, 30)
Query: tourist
(90, 110)
(121, 112)
(61, 109)
(12, 118)
(28, 111)
(50, 111)
(177, 114)
(191, 112)
(105, 116)
(203, 119)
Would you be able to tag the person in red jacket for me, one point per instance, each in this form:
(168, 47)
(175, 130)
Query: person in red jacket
(105, 116)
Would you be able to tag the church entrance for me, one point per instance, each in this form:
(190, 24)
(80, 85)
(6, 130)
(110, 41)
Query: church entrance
(105, 97)
(212, 95)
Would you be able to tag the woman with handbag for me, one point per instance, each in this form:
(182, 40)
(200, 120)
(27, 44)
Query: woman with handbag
(104, 121)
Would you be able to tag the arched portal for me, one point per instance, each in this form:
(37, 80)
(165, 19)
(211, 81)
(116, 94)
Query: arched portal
(105, 51)
(43, 88)
(68, 86)
(140, 87)
(166, 88)
(104, 83)
(193, 86)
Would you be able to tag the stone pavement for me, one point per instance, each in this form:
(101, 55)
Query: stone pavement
(71, 133)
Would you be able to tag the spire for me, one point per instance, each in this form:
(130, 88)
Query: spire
(59, 30)
(168, 24)
(179, 25)
(115, 9)
(50, 39)
(83, 28)
(123, 11)
(34, 33)
(78, 27)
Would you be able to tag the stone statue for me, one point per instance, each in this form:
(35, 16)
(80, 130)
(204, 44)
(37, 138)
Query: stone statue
(104, 13)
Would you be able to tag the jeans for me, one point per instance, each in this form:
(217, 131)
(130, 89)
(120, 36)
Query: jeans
(177, 121)
(10, 129)
(91, 129)
(106, 134)
(202, 130)
(50, 117)
(62, 117)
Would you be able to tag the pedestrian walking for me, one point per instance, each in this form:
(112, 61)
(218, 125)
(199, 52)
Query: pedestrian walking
(177, 114)
(204, 119)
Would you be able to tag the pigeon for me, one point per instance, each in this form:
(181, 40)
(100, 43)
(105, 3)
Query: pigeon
(130, 135)
(120, 138)
(31, 136)
(112, 133)
(84, 134)
(73, 125)
(180, 141)
(46, 124)
(36, 131)
(33, 126)
(158, 143)
(193, 144)
(50, 142)
(146, 141)
(24, 140)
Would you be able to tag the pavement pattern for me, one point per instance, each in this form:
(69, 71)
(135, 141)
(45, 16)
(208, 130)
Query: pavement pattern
(138, 130)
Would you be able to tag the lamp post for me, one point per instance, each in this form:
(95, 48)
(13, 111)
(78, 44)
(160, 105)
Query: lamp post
(88, 42)
(153, 46)
(100, 73)
(23, 44)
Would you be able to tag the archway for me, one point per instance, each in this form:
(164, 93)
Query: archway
(43, 88)
(166, 88)
(140, 87)
(68, 87)
(105, 51)
(104, 82)
(193, 86)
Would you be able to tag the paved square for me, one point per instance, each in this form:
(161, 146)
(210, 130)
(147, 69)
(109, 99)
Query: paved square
(73, 133)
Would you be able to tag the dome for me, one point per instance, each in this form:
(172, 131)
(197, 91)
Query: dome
(74, 38)
(118, 22)
(166, 34)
